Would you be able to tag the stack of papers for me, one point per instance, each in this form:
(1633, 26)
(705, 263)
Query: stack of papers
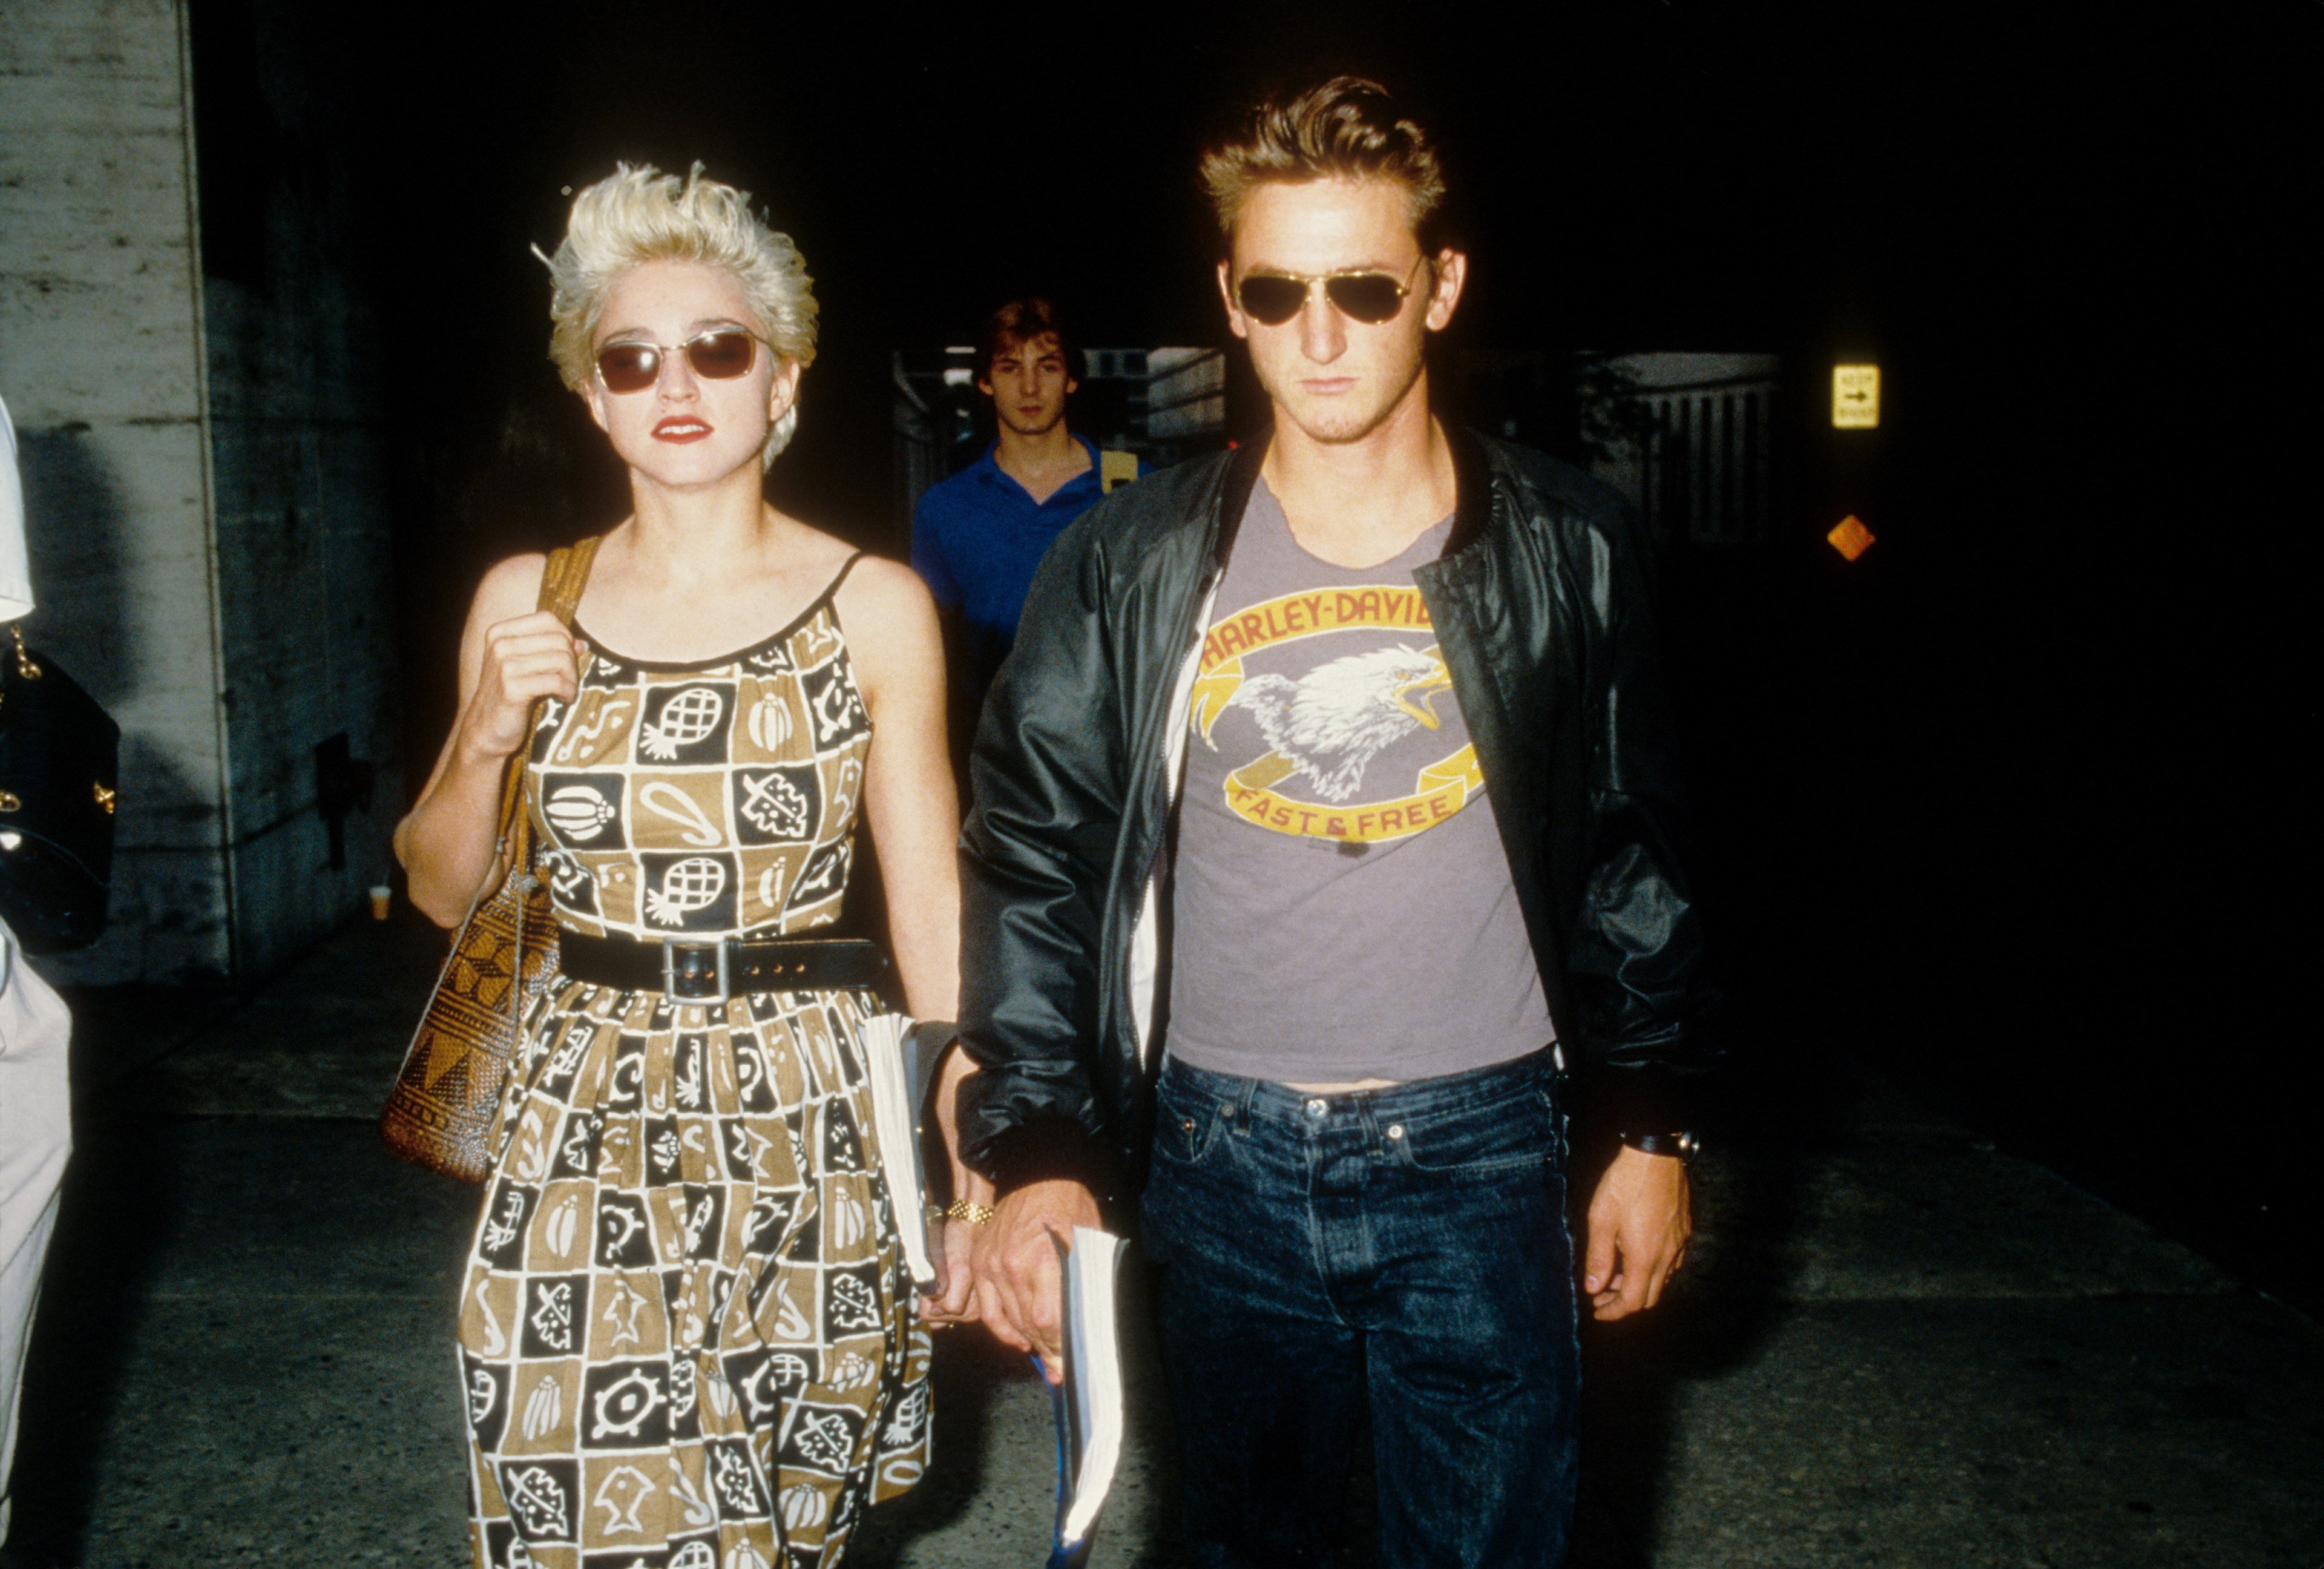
(902, 1058)
(1089, 1403)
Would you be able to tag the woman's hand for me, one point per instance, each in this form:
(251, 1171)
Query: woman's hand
(511, 653)
(953, 1302)
(526, 659)
(956, 1238)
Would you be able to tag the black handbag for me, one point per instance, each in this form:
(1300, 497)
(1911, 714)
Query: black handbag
(60, 759)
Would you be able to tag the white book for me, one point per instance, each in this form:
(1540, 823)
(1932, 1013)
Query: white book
(902, 1058)
(1089, 1403)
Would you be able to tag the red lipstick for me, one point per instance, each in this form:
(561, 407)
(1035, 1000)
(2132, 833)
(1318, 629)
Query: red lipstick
(682, 427)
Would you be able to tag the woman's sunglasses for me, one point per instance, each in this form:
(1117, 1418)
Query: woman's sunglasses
(720, 355)
(1272, 299)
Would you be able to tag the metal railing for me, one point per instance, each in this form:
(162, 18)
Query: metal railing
(1709, 468)
(1691, 438)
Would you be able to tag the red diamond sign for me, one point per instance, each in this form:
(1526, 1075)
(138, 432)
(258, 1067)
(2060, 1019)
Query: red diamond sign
(1850, 537)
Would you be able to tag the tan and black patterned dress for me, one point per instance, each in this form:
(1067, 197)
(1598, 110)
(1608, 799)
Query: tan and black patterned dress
(687, 1333)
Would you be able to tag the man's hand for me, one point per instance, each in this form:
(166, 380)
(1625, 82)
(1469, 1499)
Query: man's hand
(1019, 1292)
(1641, 1219)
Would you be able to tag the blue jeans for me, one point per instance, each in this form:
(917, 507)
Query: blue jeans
(1401, 1252)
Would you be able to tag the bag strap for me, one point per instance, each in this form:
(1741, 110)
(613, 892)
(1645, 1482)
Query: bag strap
(565, 575)
(562, 581)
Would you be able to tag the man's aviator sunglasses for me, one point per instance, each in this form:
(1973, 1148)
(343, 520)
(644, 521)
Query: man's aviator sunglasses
(1272, 299)
(719, 354)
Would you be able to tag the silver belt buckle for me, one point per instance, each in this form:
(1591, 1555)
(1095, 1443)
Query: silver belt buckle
(679, 985)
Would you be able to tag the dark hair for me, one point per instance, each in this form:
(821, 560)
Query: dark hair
(1345, 128)
(1021, 320)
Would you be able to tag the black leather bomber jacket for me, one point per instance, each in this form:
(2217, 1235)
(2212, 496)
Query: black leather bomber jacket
(1543, 605)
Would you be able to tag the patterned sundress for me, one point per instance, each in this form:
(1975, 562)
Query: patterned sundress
(686, 1332)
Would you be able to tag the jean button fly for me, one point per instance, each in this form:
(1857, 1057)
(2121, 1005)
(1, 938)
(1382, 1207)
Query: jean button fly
(1316, 1108)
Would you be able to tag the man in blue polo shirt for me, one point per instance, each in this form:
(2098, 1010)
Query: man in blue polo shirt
(977, 536)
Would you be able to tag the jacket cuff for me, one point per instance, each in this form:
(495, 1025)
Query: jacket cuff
(1049, 1150)
(1639, 1099)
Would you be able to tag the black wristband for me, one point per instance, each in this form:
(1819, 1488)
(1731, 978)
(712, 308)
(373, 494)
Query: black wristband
(1681, 1146)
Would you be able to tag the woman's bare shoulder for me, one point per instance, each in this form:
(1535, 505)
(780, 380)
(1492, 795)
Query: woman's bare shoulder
(875, 588)
(805, 544)
(888, 579)
(510, 588)
(884, 591)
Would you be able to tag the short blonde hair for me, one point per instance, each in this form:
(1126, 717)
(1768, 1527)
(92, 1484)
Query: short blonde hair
(638, 215)
(1346, 128)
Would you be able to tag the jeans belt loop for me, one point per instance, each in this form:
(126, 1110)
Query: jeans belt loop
(677, 987)
(1243, 1101)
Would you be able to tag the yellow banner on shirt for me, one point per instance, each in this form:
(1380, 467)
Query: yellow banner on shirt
(1442, 790)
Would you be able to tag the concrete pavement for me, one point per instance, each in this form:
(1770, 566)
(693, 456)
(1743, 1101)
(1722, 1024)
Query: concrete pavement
(1896, 1345)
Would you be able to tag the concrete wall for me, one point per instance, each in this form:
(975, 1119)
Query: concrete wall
(305, 616)
(205, 489)
(102, 363)
(299, 474)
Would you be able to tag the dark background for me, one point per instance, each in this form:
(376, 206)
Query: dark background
(2010, 805)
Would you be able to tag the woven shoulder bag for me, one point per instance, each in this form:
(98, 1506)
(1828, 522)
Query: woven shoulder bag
(439, 1114)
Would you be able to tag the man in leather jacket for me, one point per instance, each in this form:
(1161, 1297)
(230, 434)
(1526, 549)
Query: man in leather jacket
(1324, 816)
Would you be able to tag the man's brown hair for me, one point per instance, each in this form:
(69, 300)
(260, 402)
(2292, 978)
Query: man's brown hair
(1020, 321)
(1345, 128)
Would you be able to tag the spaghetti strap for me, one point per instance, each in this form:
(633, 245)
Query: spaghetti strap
(830, 595)
(845, 568)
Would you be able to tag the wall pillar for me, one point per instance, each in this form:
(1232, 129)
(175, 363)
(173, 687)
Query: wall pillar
(204, 490)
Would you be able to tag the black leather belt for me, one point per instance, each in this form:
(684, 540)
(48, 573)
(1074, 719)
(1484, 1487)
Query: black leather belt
(714, 971)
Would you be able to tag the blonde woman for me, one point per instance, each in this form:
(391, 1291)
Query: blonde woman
(685, 1332)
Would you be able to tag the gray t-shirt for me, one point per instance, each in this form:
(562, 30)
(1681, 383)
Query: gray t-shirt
(1343, 906)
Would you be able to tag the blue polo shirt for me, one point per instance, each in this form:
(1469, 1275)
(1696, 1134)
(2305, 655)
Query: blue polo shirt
(976, 539)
